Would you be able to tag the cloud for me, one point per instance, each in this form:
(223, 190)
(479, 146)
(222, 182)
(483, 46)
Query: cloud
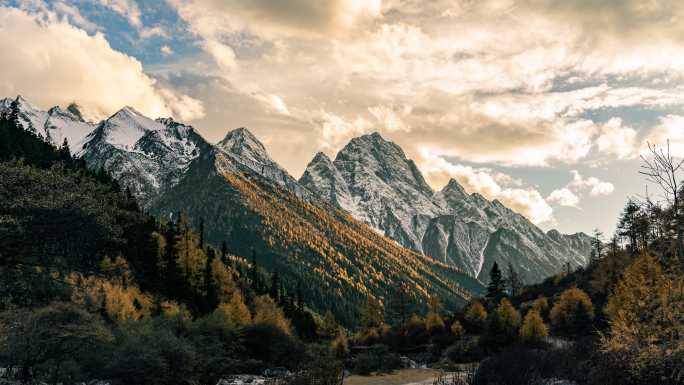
(274, 18)
(391, 118)
(524, 200)
(98, 77)
(617, 140)
(166, 50)
(669, 128)
(563, 197)
(127, 8)
(130, 10)
(595, 186)
(335, 131)
(75, 16)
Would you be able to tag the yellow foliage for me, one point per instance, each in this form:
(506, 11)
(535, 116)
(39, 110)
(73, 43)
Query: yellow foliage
(457, 329)
(340, 345)
(476, 314)
(267, 312)
(646, 317)
(573, 311)
(235, 311)
(507, 314)
(533, 329)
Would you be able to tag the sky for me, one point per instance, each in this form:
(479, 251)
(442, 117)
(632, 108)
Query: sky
(545, 105)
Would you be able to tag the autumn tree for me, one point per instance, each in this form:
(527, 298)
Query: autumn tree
(475, 316)
(236, 311)
(502, 326)
(266, 311)
(646, 318)
(433, 319)
(573, 313)
(533, 329)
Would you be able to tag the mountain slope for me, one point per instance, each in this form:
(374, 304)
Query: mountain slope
(372, 179)
(338, 257)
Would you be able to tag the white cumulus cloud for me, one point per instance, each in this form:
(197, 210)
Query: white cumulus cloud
(99, 78)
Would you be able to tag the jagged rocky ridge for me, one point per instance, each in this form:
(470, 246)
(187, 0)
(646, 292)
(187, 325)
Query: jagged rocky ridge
(370, 178)
(373, 180)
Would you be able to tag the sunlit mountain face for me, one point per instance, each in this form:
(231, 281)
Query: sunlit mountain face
(544, 106)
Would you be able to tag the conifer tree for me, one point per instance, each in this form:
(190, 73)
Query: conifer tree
(300, 298)
(275, 287)
(371, 315)
(235, 310)
(399, 308)
(497, 286)
(224, 253)
(254, 274)
(201, 233)
(212, 298)
(533, 329)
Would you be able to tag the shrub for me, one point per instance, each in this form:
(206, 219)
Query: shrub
(466, 349)
(365, 363)
(269, 343)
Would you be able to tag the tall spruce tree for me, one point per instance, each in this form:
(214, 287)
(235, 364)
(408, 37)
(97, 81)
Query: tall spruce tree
(497, 285)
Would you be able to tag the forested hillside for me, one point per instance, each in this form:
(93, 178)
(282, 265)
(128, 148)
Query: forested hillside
(93, 288)
(344, 262)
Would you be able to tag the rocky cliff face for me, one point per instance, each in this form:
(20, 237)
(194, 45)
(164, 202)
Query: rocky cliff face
(373, 180)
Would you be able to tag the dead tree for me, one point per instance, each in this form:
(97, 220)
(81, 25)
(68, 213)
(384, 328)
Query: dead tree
(662, 169)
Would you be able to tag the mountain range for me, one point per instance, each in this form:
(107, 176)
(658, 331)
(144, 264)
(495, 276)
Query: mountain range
(326, 224)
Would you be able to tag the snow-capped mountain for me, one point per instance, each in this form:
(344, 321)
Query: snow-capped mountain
(373, 180)
(147, 156)
(54, 125)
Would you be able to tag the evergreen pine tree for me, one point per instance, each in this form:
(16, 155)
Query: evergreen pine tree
(201, 233)
(64, 152)
(275, 287)
(254, 274)
(300, 299)
(224, 253)
(496, 287)
(212, 299)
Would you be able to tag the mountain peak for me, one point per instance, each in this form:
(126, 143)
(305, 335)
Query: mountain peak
(320, 158)
(241, 141)
(454, 187)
